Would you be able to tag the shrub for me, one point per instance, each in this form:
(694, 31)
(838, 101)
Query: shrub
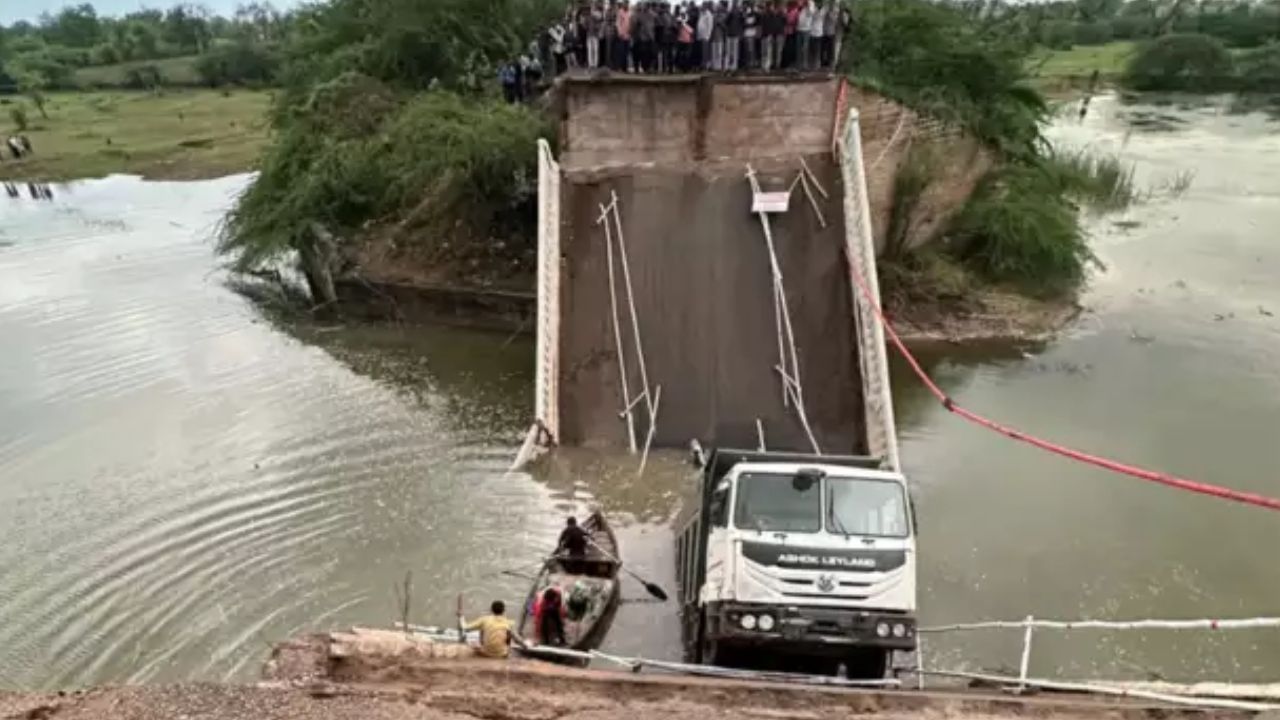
(1022, 225)
(445, 166)
(1016, 230)
(1190, 61)
(1093, 33)
(240, 63)
(105, 54)
(1102, 182)
(939, 60)
(910, 182)
(19, 116)
(143, 77)
(1259, 70)
(1058, 35)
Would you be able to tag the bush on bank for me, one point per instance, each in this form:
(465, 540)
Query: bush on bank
(385, 120)
(1022, 226)
(941, 59)
(1191, 62)
(440, 164)
(1259, 69)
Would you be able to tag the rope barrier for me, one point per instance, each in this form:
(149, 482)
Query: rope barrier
(1094, 688)
(1217, 491)
(1207, 624)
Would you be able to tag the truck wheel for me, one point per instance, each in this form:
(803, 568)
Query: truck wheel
(867, 664)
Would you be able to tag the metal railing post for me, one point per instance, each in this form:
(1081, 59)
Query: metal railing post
(1026, 654)
(919, 663)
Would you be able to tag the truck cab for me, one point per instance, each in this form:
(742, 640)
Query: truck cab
(798, 557)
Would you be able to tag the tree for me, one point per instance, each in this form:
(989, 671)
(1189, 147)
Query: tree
(1188, 61)
(74, 26)
(938, 59)
(187, 27)
(242, 62)
(1260, 69)
(33, 84)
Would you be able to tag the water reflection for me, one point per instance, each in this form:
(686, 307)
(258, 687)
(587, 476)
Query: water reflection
(1172, 367)
(181, 482)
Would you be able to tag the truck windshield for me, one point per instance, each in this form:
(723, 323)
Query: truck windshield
(866, 507)
(772, 502)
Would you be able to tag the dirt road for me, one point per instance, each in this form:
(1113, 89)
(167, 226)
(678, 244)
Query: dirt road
(330, 677)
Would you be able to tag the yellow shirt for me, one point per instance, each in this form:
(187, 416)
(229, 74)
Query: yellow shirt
(495, 633)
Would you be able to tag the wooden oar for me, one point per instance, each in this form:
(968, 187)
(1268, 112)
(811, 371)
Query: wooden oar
(462, 630)
(652, 588)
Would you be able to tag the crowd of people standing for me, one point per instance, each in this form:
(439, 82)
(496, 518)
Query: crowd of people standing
(662, 37)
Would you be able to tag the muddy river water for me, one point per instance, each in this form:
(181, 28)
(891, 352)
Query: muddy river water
(183, 482)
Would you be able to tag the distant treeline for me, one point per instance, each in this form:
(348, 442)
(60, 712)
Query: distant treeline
(185, 44)
(1194, 45)
(1064, 23)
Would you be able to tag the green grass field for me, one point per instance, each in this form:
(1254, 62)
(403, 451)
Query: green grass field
(1079, 62)
(175, 71)
(177, 135)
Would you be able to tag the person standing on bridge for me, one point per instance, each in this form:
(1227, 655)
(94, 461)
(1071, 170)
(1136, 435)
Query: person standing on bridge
(644, 37)
(789, 34)
(734, 24)
(720, 17)
(622, 23)
(706, 24)
(684, 43)
(772, 27)
(750, 36)
(843, 24)
(557, 35)
(665, 33)
(817, 35)
(804, 34)
(608, 35)
(594, 25)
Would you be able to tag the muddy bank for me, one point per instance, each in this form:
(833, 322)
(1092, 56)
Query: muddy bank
(383, 674)
(988, 315)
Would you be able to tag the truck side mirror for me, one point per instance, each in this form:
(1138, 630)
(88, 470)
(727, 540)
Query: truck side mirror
(719, 511)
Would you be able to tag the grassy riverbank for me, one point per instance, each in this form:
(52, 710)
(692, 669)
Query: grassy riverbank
(1054, 68)
(174, 135)
(175, 71)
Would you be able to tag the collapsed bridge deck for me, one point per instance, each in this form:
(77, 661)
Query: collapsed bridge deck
(697, 290)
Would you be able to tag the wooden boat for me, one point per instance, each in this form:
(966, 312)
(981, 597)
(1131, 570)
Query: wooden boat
(589, 589)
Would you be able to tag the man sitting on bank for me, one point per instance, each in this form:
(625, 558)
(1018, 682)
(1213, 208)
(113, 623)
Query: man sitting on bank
(496, 633)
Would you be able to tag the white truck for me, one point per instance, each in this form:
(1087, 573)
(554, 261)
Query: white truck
(797, 562)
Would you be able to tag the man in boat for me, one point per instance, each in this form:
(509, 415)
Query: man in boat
(572, 547)
(496, 633)
(549, 613)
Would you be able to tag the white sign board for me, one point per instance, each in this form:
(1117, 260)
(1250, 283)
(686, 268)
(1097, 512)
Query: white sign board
(770, 202)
